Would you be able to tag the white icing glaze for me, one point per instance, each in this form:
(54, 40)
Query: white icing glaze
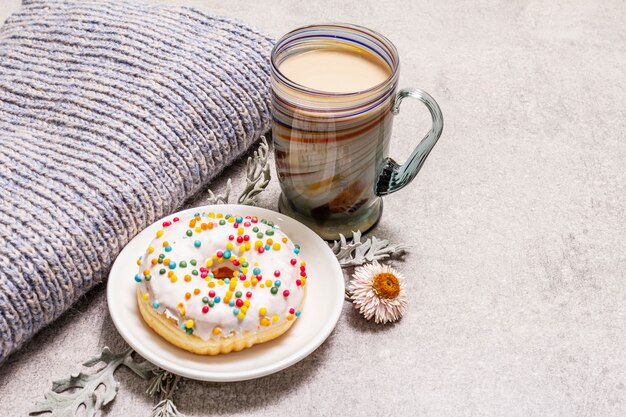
(169, 294)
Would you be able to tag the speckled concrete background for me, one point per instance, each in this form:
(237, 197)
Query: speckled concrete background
(517, 227)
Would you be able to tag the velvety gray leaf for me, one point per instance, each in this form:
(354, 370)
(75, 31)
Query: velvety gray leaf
(357, 252)
(257, 174)
(78, 390)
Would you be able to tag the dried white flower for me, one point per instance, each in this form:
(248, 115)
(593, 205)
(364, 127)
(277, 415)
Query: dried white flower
(378, 292)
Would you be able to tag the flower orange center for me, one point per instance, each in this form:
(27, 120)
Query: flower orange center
(386, 285)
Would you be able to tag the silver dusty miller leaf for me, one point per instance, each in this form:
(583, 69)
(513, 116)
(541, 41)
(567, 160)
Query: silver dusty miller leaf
(166, 408)
(257, 174)
(257, 178)
(79, 390)
(164, 384)
(220, 198)
(357, 252)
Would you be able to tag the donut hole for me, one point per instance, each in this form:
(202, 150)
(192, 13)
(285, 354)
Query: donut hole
(224, 271)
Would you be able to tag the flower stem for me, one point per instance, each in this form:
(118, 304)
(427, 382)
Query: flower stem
(348, 294)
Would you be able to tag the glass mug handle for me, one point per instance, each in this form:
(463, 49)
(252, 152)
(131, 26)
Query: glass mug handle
(394, 176)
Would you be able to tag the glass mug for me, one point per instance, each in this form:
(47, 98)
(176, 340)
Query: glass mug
(331, 148)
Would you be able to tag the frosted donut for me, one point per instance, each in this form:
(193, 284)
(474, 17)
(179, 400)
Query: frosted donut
(216, 283)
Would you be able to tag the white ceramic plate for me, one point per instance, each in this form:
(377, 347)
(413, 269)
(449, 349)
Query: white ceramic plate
(325, 297)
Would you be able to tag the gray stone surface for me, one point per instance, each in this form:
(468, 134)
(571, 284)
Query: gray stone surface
(516, 222)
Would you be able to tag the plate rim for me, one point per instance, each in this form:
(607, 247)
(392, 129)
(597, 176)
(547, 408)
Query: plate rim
(308, 348)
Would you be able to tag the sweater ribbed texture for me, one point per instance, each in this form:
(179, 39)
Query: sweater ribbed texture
(111, 115)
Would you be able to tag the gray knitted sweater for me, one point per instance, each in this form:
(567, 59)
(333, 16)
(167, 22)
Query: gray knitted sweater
(111, 115)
